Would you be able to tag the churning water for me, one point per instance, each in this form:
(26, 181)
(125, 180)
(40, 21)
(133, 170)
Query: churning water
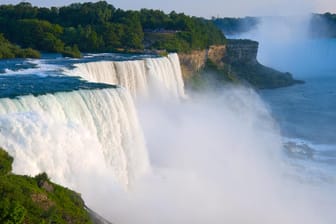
(218, 157)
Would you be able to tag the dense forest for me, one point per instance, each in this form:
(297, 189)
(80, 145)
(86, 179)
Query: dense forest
(100, 27)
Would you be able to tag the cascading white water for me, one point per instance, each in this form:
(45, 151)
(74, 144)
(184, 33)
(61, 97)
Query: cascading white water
(65, 132)
(139, 77)
(132, 76)
(166, 72)
(129, 74)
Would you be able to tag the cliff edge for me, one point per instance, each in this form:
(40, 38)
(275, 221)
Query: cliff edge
(234, 62)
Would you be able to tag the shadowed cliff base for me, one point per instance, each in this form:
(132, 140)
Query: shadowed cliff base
(235, 62)
(262, 77)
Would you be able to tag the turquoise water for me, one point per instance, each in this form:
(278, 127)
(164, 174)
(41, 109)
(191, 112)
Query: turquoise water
(41, 76)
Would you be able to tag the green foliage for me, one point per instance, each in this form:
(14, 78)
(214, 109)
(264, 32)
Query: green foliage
(5, 162)
(179, 32)
(41, 178)
(38, 34)
(23, 10)
(8, 50)
(99, 27)
(113, 34)
(88, 39)
(28, 53)
(72, 52)
(11, 213)
(169, 42)
(85, 14)
(133, 29)
(37, 200)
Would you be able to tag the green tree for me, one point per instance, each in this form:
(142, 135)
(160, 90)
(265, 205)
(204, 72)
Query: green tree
(5, 159)
(113, 34)
(99, 27)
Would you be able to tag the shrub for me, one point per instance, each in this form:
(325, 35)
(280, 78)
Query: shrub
(5, 162)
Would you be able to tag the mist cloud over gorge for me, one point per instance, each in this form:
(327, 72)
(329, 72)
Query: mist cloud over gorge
(288, 44)
(216, 158)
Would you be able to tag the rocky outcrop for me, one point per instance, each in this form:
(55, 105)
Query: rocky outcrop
(241, 52)
(234, 52)
(195, 61)
(242, 61)
(217, 53)
(192, 62)
(235, 61)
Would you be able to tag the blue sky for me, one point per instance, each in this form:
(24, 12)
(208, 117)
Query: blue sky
(208, 8)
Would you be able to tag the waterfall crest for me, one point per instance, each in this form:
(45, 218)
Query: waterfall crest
(59, 133)
(140, 77)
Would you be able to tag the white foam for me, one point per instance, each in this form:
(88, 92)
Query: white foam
(141, 77)
(41, 68)
(34, 128)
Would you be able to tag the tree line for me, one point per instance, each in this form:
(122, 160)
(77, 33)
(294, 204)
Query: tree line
(100, 27)
(9, 50)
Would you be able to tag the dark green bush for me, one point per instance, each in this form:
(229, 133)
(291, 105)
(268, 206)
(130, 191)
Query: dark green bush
(72, 52)
(5, 162)
(36, 200)
(8, 50)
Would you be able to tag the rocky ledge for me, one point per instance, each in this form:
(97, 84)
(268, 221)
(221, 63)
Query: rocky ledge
(236, 62)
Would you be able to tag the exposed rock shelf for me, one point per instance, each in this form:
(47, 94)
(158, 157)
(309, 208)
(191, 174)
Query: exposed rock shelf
(235, 61)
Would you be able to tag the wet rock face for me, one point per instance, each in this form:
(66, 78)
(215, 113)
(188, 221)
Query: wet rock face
(217, 54)
(234, 52)
(241, 52)
(237, 62)
(192, 62)
(195, 61)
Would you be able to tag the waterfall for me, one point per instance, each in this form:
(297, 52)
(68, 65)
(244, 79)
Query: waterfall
(140, 77)
(129, 74)
(166, 73)
(65, 132)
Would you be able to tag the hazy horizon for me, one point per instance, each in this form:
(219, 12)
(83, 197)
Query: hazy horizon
(216, 8)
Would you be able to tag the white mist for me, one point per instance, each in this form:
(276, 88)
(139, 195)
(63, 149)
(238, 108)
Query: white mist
(216, 159)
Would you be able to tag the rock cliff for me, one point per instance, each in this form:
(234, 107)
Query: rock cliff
(195, 61)
(241, 52)
(192, 62)
(235, 61)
